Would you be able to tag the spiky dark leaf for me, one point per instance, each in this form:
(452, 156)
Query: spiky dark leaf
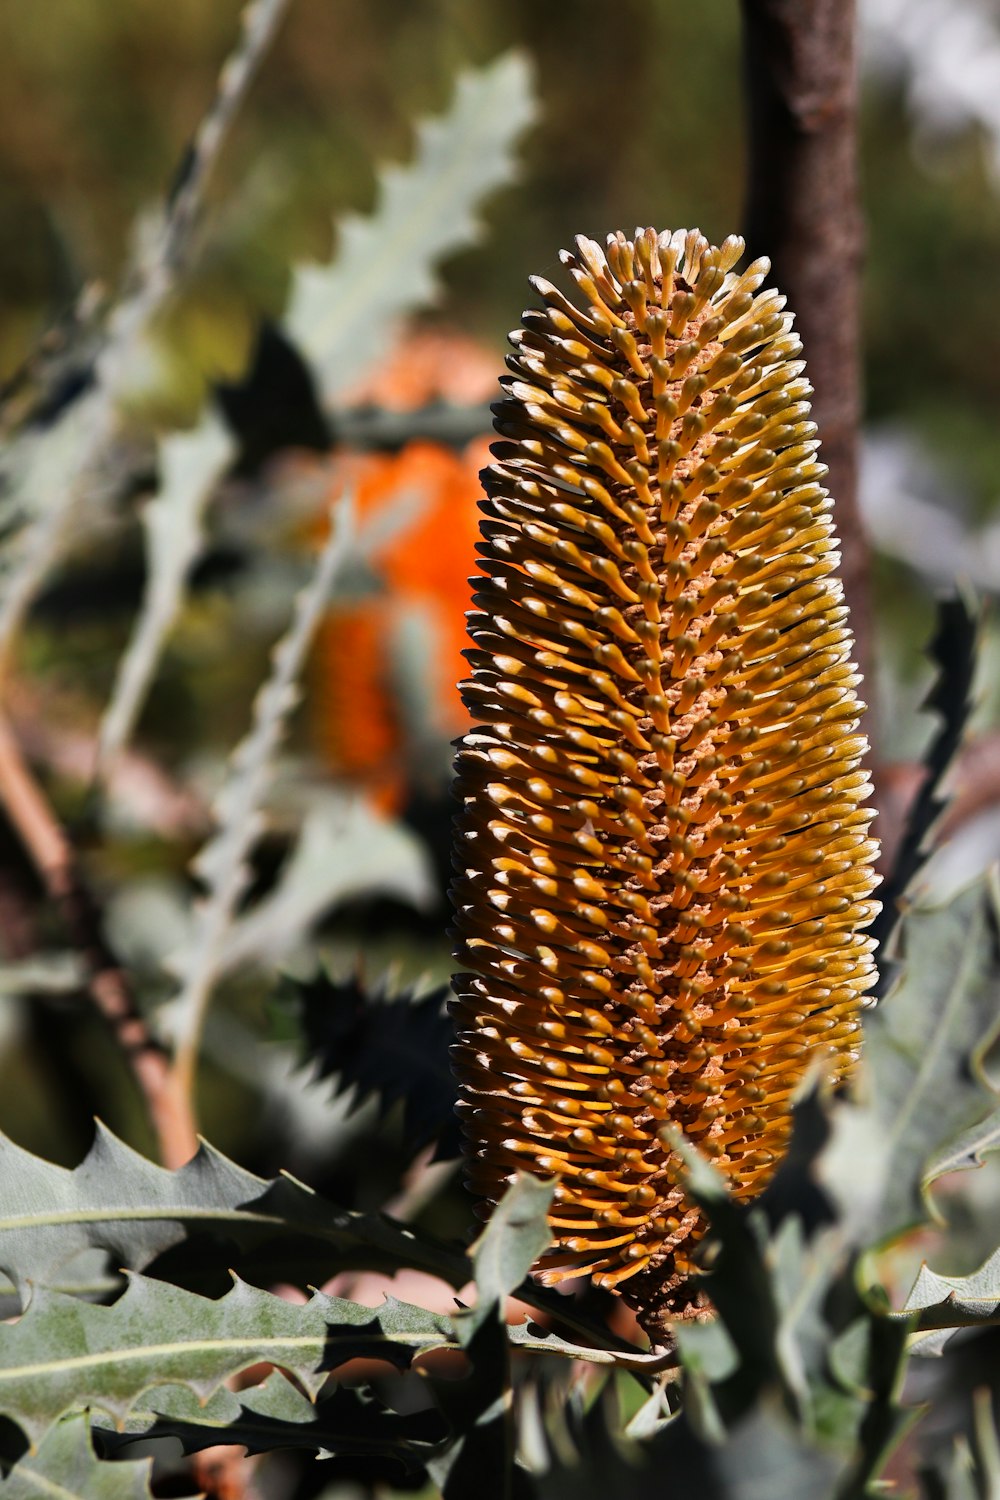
(953, 651)
(277, 1415)
(393, 1048)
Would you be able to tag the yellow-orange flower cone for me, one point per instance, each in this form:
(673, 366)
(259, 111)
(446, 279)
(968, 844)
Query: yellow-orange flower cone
(663, 860)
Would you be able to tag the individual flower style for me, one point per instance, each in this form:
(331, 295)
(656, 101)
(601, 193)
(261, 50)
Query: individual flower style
(663, 868)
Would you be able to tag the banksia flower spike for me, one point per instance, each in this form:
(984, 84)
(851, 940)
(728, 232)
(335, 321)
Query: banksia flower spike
(663, 861)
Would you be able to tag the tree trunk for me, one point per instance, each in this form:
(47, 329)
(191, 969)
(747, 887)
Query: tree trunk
(803, 212)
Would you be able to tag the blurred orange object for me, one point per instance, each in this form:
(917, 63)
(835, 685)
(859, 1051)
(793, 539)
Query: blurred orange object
(386, 665)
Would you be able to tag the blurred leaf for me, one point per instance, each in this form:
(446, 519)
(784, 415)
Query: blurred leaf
(65, 1354)
(987, 1442)
(394, 1048)
(275, 1415)
(587, 1456)
(117, 1201)
(342, 316)
(55, 973)
(514, 1238)
(953, 652)
(191, 465)
(762, 1456)
(90, 452)
(65, 1467)
(969, 1148)
(924, 1048)
(52, 482)
(344, 850)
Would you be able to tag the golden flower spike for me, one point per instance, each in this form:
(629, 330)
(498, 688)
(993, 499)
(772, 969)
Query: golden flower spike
(663, 860)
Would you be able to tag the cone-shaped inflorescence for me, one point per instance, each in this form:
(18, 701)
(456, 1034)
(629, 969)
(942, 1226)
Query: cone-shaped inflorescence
(663, 860)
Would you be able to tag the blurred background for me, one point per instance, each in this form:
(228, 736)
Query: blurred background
(618, 117)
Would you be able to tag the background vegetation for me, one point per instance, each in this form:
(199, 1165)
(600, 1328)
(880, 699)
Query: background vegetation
(327, 837)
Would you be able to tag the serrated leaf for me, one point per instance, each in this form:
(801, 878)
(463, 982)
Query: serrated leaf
(538, 1340)
(65, 1467)
(947, 1303)
(393, 1048)
(117, 1201)
(953, 651)
(342, 316)
(276, 1415)
(924, 1046)
(65, 1354)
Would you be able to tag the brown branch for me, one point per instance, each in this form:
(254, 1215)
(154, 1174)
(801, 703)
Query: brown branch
(52, 854)
(803, 211)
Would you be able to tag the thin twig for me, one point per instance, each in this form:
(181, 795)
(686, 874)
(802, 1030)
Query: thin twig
(381, 429)
(47, 845)
(803, 211)
(260, 22)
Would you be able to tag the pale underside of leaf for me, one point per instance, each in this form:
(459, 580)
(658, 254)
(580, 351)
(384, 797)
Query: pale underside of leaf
(191, 465)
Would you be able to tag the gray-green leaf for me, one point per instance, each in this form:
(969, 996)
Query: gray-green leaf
(929, 1101)
(65, 1467)
(65, 1354)
(117, 1201)
(342, 316)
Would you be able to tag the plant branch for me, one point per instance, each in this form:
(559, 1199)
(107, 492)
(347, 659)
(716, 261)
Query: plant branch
(223, 863)
(50, 851)
(803, 212)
